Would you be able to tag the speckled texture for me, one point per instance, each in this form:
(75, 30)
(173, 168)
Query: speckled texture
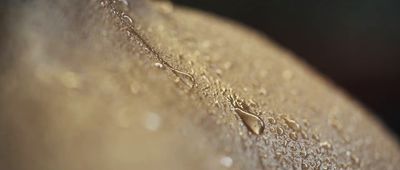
(146, 85)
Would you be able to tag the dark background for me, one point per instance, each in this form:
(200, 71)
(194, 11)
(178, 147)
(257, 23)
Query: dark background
(356, 43)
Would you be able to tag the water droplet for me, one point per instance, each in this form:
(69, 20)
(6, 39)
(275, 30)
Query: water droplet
(125, 2)
(293, 135)
(126, 18)
(70, 80)
(304, 134)
(186, 78)
(325, 145)
(152, 121)
(355, 160)
(292, 124)
(121, 5)
(253, 122)
(303, 153)
(306, 123)
(159, 65)
(304, 166)
(279, 131)
(262, 91)
(315, 136)
(226, 161)
(271, 120)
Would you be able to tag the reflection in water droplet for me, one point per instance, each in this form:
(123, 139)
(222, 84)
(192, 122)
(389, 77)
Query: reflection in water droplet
(226, 161)
(253, 122)
(152, 121)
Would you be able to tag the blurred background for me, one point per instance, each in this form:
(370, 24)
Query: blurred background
(355, 43)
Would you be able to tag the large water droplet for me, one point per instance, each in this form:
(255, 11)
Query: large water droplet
(252, 121)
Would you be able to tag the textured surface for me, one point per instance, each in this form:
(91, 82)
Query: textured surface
(145, 85)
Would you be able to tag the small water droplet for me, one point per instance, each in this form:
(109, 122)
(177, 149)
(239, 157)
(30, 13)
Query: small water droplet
(271, 120)
(126, 18)
(159, 65)
(325, 145)
(226, 161)
(304, 134)
(186, 78)
(218, 71)
(355, 160)
(252, 121)
(293, 135)
(262, 91)
(121, 5)
(279, 131)
(315, 136)
(304, 166)
(292, 124)
(152, 121)
(303, 153)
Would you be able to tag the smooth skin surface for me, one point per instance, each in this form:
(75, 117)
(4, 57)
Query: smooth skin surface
(146, 85)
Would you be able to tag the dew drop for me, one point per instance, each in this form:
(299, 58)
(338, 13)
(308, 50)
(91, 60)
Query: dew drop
(159, 65)
(271, 120)
(304, 134)
(355, 160)
(186, 78)
(126, 18)
(315, 136)
(293, 135)
(303, 153)
(262, 91)
(292, 124)
(279, 131)
(253, 122)
(325, 145)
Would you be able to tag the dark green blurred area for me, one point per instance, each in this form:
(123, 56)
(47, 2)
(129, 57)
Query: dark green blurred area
(356, 43)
